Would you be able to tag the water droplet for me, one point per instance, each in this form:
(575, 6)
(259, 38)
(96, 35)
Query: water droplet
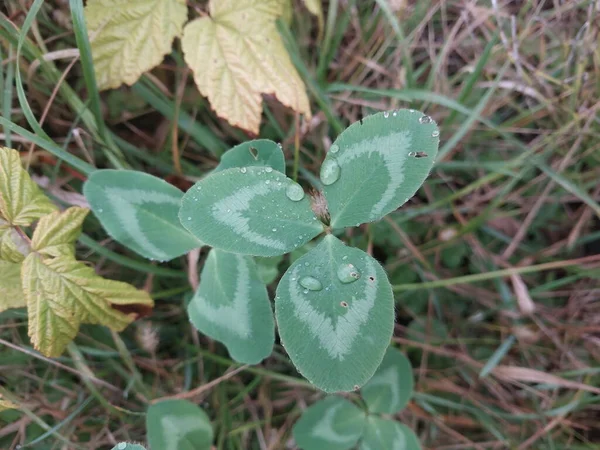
(243, 170)
(122, 446)
(305, 291)
(279, 183)
(412, 153)
(412, 111)
(310, 283)
(386, 114)
(425, 119)
(334, 148)
(274, 229)
(344, 258)
(268, 182)
(395, 113)
(189, 218)
(330, 171)
(269, 169)
(229, 210)
(294, 192)
(101, 210)
(307, 264)
(347, 273)
(435, 134)
(279, 145)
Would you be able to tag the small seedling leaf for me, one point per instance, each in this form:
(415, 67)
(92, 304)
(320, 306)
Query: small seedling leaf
(232, 306)
(251, 210)
(387, 434)
(178, 425)
(335, 313)
(21, 200)
(237, 55)
(56, 233)
(11, 294)
(330, 424)
(128, 446)
(140, 211)
(260, 152)
(390, 389)
(129, 38)
(62, 293)
(377, 164)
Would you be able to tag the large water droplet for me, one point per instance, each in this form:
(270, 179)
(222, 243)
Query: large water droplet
(347, 273)
(330, 171)
(386, 114)
(425, 119)
(294, 192)
(310, 283)
(334, 148)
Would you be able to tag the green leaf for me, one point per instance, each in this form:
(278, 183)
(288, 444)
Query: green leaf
(56, 233)
(331, 424)
(268, 268)
(62, 293)
(387, 434)
(232, 306)
(129, 38)
(21, 200)
(377, 164)
(390, 389)
(13, 247)
(260, 152)
(335, 313)
(11, 293)
(178, 425)
(128, 446)
(252, 210)
(140, 211)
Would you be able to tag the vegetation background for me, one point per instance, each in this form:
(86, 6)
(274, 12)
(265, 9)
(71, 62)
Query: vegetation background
(495, 263)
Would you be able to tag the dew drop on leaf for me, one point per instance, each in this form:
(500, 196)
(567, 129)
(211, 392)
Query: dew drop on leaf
(122, 446)
(294, 192)
(310, 283)
(435, 134)
(386, 114)
(425, 119)
(243, 170)
(330, 172)
(269, 169)
(334, 148)
(347, 273)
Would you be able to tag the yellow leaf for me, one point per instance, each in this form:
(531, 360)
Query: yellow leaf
(11, 293)
(130, 37)
(316, 8)
(56, 233)
(21, 200)
(13, 246)
(6, 404)
(62, 294)
(236, 55)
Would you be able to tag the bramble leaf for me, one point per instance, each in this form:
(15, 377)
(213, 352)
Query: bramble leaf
(335, 313)
(252, 210)
(13, 246)
(62, 293)
(129, 38)
(236, 55)
(388, 434)
(56, 233)
(259, 152)
(21, 200)
(11, 293)
(391, 387)
(6, 404)
(377, 164)
(178, 425)
(232, 306)
(333, 423)
(140, 211)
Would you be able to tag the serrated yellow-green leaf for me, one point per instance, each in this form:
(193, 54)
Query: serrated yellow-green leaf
(56, 233)
(11, 294)
(129, 37)
(62, 294)
(21, 200)
(5, 404)
(237, 55)
(13, 247)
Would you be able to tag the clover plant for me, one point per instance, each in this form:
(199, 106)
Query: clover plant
(334, 305)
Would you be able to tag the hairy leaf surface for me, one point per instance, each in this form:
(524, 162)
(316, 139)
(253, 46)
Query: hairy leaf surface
(11, 293)
(56, 233)
(13, 246)
(387, 434)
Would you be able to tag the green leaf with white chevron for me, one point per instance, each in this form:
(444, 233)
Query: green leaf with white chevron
(335, 314)
(333, 423)
(377, 164)
(387, 434)
(232, 306)
(259, 152)
(128, 446)
(140, 211)
(390, 389)
(249, 210)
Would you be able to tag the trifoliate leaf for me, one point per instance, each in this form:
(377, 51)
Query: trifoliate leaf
(335, 313)
(13, 246)
(178, 425)
(62, 293)
(236, 55)
(11, 293)
(391, 387)
(128, 446)
(260, 152)
(387, 434)
(331, 424)
(252, 210)
(6, 404)
(56, 233)
(129, 38)
(377, 164)
(267, 268)
(21, 200)
(140, 211)
(232, 306)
